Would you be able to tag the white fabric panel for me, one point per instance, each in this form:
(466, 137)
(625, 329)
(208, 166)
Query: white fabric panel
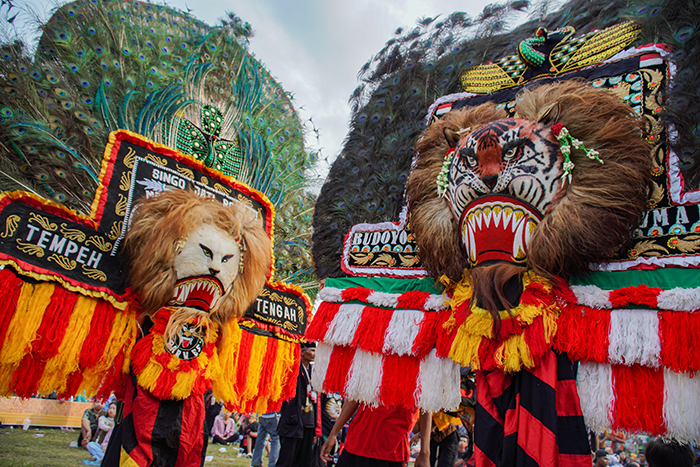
(592, 296)
(320, 366)
(365, 377)
(388, 300)
(595, 390)
(634, 337)
(342, 329)
(679, 299)
(402, 331)
(438, 383)
(682, 406)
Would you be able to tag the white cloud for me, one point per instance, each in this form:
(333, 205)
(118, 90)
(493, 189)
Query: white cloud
(315, 48)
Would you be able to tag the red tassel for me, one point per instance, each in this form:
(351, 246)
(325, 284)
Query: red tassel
(291, 384)
(445, 334)
(96, 340)
(164, 384)
(639, 398)
(399, 380)
(338, 369)
(243, 360)
(10, 288)
(534, 338)
(114, 379)
(637, 295)
(679, 331)
(370, 332)
(72, 385)
(536, 294)
(564, 292)
(141, 354)
(53, 325)
(461, 314)
(49, 335)
(322, 319)
(430, 330)
(413, 300)
(583, 337)
(487, 350)
(200, 386)
(25, 380)
(355, 293)
(268, 367)
(509, 327)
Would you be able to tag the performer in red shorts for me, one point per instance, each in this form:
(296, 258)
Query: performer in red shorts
(378, 437)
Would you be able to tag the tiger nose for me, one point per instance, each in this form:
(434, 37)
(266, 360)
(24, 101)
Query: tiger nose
(490, 180)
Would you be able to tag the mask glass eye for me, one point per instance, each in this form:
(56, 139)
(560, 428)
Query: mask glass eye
(207, 252)
(226, 258)
(471, 161)
(509, 154)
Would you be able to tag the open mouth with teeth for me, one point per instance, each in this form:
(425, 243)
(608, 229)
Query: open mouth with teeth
(201, 292)
(498, 228)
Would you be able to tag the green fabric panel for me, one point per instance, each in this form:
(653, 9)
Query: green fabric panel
(664, 278)
(387, 284)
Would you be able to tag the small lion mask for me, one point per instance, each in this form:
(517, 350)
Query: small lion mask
(188, 251)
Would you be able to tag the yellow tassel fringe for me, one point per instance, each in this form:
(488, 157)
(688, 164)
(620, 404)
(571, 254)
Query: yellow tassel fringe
(512, 354)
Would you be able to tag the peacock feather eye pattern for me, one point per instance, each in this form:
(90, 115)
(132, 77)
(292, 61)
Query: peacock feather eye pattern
(104, 65)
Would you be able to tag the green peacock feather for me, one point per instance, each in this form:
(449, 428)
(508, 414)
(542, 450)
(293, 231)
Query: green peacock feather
(103, 65)
(418, 65)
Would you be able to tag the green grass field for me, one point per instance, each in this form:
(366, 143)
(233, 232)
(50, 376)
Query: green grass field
(20, 448)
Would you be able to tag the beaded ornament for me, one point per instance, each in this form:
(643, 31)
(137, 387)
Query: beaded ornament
(527, 52)
(565, 142)
(442, 182)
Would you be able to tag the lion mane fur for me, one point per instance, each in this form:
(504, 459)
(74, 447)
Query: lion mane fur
(161, 222)
(589, 220)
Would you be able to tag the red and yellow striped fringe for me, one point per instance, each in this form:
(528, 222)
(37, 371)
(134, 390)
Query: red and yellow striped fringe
(166, 376)
(54, 339)
(525, 333)
(259, 372)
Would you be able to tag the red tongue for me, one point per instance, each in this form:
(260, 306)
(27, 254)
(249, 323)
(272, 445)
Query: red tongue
(497, 228)
(197, 292)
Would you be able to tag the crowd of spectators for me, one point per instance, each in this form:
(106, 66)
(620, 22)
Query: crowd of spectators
(308, 421)
(616, 449)
(96, 429)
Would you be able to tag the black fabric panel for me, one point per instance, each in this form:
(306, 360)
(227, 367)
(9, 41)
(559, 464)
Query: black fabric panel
(572, 436)
(506, 401)
(488, 434)
(128, 436)
(538, 398)
(114, 451)
(566, 369)
(522, 459)
(167, 428)
(351, 460)
(205, 433)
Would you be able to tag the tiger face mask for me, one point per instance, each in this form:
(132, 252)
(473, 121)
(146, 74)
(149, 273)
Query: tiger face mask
(503, 177)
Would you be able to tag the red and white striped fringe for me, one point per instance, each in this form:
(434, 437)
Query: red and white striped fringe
(383, 356)
(654, 400)
(638, 365)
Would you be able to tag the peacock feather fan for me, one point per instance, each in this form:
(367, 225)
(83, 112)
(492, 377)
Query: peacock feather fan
(103, 65)
(367, 181)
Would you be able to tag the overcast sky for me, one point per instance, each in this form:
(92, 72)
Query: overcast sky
(315, 48)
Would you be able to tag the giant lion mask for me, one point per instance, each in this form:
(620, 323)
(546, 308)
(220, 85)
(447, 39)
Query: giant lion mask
(505, 201)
